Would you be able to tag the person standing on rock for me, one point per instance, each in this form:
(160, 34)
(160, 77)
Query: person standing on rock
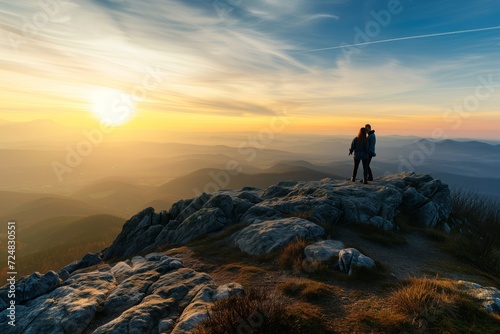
(372, 140)
(359, 147)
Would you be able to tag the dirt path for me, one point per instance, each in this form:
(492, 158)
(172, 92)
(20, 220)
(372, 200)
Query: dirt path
(418, 257)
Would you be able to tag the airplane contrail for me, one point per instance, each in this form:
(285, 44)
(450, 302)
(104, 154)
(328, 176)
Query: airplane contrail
(402, 39)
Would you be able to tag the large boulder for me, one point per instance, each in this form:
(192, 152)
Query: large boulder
(351, 259)
(381, 223)
(260, 213)
(487, 297)
(266, 236)
(323, 250)
(137, 234)
(28, 288)
(201, 222)
(130, 292)
(194, 205)
(68, 309)
(427, 199)
(158, 293)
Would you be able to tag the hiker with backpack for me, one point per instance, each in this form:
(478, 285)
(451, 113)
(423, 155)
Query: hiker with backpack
(371, 148)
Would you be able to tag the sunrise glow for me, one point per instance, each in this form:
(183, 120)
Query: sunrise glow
(195, 64)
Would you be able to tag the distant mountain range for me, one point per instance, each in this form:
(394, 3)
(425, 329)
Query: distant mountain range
(120, 178)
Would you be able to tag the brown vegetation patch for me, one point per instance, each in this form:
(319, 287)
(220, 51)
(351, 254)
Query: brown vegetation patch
(258, 311)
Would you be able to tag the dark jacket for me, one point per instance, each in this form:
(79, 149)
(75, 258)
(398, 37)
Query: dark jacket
(360, 151)
(372, 140)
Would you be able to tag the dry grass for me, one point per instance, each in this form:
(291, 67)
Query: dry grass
(479, 242)
(257, 311)
(437, 306)
(292, 256)
(420, 305)
(244, 274)
(308, 290)
(425, 298)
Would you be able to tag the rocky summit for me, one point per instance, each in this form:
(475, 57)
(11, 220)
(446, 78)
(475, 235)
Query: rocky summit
(271, 214)
(129, 287)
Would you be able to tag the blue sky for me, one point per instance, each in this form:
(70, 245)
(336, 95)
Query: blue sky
(254, 58)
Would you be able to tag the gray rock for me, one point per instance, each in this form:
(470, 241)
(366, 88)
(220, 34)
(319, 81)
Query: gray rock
(194, 206)
(165, 326)
(418, 192)
(413, 199)
(201, 222)
(429, 188)
(89, 260)
(266, 236)
(275, 192)
(240, 207)
(28, 288)
(326, 202)
(142, 318)
(155, 294)
(288, 183)
(137, 260)
(178, 207)
(487, 297)
(228, 290)
(137, 234)
(165, 265)
(351, 259)
(223, 202)
(69, 268)
(427, 215)
(68, 309)
(381, 223)
(181, 285)
(442, 200)
(359, 203)
(196, 312)
(260, 213)
(323, 250)
(177, 289)
(252, 198)
(121, 271)
(316, 209)
(63, 275)
(446, 228)
(130, 292)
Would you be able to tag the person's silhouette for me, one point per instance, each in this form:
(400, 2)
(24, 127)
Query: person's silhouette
(372, 140)
(359, 146)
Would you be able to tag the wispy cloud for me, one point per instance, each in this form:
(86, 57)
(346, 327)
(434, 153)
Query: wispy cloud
(260, 55)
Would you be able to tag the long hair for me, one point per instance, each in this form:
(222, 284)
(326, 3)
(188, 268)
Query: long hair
(362, 137)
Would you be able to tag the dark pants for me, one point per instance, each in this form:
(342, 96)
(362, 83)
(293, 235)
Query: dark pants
(370, 175)
(365, 168)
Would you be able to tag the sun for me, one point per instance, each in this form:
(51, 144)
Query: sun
(112, 107)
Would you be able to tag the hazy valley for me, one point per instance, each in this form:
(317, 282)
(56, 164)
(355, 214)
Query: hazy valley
(116, 178)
